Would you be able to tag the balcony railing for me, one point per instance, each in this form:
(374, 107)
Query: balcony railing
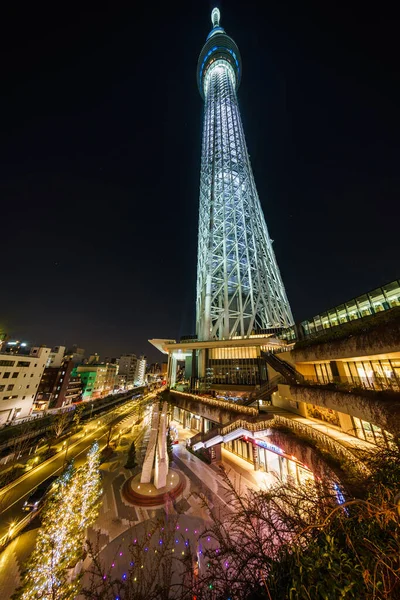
(353, 383)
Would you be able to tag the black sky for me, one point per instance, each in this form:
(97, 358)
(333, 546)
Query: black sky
(100, 156)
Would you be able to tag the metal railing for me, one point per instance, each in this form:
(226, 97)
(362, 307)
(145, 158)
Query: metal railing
(252, 425)
(374, 382)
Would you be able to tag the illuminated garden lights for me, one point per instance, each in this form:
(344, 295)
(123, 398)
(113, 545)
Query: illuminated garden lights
(59, 546)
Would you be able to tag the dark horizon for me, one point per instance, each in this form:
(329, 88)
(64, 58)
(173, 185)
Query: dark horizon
(101, 121)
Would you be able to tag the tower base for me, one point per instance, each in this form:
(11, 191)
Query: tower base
(146, 494)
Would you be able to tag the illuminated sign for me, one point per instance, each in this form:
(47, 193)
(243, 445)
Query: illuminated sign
(268, 446)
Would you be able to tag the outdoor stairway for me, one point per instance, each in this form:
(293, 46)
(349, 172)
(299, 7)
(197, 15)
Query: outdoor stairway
(251, 427)
(265, 391)
(288, 372)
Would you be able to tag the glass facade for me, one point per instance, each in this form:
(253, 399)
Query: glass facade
(376, 374)
(279, 465)
(371, 433)
(383, 298)
(235, 366)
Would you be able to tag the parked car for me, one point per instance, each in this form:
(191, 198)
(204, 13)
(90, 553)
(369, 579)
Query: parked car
(37, 497)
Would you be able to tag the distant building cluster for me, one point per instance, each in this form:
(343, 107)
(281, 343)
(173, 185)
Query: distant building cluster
(36, 379)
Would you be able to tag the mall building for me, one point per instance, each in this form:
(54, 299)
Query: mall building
(342, 369)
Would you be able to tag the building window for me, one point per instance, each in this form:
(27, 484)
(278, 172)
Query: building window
(7, 363)
(10, 387)
(6, 374)
(15, 375)
(23, 363)
(2, 388)
(27, 387)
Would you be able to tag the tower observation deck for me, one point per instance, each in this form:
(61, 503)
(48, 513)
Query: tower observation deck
(239, 286)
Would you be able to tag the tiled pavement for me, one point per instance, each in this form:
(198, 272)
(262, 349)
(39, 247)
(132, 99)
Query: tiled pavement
(117, 519)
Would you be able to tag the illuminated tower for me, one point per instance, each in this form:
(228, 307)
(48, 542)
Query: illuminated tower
(239, 287)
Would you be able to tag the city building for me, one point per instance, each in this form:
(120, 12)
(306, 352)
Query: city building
(58, 387)
(94, 358)
(56, 356)
(128, 369)
(111, 382)
(154, 368)
(140, 375)
(16, 347)
(3, 337)
(20, 376)
(98, 379)
(348, 378)
(88, 380)
(77, 355)
(334, 378)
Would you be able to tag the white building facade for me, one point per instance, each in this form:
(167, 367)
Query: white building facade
(140, 370)
(19, 380)
(56, 356)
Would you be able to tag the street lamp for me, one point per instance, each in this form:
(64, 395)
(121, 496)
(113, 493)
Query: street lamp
(66, 452)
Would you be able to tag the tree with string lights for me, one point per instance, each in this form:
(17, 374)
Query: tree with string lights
(59, 545)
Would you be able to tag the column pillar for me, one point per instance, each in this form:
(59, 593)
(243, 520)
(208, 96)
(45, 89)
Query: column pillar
(255, 457)
(172, 380)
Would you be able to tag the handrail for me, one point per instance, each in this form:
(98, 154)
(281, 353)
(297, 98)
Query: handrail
(253, 426)
(218, 403)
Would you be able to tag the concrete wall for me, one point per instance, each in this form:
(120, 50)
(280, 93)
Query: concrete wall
(379, 408)
(383, 339)
(283, 399)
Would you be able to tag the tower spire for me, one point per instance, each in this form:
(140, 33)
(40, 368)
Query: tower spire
(215, 17)
(239, 287)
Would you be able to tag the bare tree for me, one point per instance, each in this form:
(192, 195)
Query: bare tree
(156, 572)
(60, 423)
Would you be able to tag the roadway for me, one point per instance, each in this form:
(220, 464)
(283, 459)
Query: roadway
(109, 426)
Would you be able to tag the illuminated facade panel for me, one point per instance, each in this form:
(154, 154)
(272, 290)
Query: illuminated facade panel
(239, 286)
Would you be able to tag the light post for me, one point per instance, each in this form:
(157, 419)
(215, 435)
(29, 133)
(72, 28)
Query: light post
(66, 451)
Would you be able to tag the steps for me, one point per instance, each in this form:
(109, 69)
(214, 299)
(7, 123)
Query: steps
(288, 372)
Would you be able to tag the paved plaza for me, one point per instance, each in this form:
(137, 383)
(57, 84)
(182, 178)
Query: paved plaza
(118, 521)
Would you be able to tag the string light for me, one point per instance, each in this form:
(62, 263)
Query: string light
(59, 545)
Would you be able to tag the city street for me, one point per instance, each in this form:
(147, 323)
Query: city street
(117, 519)
(76, 447)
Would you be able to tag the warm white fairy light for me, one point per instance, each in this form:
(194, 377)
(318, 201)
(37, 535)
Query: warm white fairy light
(70, 510)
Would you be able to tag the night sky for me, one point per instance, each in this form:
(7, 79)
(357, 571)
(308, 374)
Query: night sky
(100, 158)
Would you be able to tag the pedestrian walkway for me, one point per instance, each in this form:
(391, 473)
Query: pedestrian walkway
(349, 441)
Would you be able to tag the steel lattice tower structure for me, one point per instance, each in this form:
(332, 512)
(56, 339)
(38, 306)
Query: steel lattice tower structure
(239, 286)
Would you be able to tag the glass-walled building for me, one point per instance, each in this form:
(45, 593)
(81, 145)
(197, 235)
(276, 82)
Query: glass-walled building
(381, 299)
(377, 374)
